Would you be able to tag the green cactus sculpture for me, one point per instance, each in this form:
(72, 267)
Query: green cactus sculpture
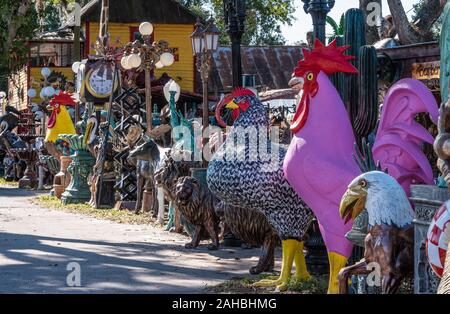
(355, 37)
(338, 78)
(367, 114)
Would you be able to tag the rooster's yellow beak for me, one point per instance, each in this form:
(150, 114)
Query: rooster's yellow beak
(352, 203)
(232, 105)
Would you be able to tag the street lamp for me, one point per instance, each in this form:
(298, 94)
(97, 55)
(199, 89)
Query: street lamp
(205, 41)
(234, 16)
(147, 56)
(318, 10)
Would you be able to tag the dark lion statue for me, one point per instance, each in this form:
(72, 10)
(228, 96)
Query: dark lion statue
(197, 204)
(250, 226)
(253, 228)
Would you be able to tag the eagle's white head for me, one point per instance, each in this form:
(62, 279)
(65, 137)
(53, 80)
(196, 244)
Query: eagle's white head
(383, 197)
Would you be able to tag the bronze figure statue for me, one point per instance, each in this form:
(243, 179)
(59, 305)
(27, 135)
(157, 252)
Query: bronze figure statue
(389, 245)
(197, 204)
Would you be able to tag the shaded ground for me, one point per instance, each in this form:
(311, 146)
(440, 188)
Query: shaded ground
(36, 245)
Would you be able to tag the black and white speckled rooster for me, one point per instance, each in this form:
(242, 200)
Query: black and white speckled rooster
(247, 171)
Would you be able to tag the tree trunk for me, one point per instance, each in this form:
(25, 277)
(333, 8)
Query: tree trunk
(420, 31)
(372, 19)
(406, 34)
(428, 14)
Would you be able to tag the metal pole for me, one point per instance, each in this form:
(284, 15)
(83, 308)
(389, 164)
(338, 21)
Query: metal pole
(148, 98)
(318, 10)
(234, 15)
(236, 61)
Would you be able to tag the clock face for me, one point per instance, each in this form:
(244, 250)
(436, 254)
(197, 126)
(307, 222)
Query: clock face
(98, 84)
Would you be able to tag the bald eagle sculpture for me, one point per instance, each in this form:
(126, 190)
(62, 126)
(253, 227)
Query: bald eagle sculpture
(389, 242)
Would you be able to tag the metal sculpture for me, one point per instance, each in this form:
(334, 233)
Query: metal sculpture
(308, 158)
(126, 110)
(258, 183)
(234, 17)
(147, 156)
(252, 227)
(318, 10)
(197, 204)
(390, 239)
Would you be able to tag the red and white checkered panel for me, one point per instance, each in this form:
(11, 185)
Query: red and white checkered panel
(438, 238)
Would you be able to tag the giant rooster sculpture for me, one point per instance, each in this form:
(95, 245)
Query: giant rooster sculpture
(319, 163)
(59, 121)
(247, 172)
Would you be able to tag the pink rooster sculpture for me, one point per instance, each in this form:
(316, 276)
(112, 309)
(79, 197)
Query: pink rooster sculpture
(319, 163)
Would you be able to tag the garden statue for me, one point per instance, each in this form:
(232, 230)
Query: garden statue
(197, 204)
(258, 183)
(148, 156)
(252, 227)
(80, 168)
(59, 121)
(166, 176)
(390, 240)
(322, 146)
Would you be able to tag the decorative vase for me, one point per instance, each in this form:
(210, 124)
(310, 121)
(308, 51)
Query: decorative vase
(62, 179)
(81, 167)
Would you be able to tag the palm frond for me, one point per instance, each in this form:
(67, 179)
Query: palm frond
(333, 25)
(341, 24)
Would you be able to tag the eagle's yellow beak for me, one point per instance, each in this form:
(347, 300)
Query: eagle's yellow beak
(232, 105)
(352, 203)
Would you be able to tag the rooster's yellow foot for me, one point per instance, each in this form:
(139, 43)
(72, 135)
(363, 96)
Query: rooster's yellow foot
(280, 283)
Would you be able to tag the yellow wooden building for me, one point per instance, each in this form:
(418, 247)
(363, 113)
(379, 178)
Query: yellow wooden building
(171, 21)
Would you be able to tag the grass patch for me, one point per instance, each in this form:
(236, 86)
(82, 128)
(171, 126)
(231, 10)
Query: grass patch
(8, 183)
(317, 285)
(116, 215)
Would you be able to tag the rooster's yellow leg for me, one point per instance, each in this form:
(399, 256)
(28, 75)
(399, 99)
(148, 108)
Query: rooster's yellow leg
(337, 262)
(301, 272)
(289, 249)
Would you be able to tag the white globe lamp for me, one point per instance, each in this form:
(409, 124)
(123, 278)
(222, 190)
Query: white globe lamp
(146, 28)
(167, 59)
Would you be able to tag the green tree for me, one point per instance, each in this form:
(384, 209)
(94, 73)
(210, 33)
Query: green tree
(264, 19)
(17, 24)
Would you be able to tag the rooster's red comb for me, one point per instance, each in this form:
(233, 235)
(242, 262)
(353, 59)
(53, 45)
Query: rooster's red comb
(329, 59)
(63, 98)
(238, 92)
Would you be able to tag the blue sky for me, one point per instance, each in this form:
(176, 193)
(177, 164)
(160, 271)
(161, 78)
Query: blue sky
(303, 22)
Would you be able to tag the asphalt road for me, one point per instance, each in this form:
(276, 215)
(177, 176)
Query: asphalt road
(37, 245)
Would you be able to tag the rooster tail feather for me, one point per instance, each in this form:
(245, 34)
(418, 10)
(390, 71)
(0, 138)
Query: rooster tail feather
(399, 139)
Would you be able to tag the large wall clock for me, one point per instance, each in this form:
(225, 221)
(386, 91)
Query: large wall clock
(98, 81)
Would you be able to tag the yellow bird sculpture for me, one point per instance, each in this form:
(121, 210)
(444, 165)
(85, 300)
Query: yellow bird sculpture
(59, 121)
